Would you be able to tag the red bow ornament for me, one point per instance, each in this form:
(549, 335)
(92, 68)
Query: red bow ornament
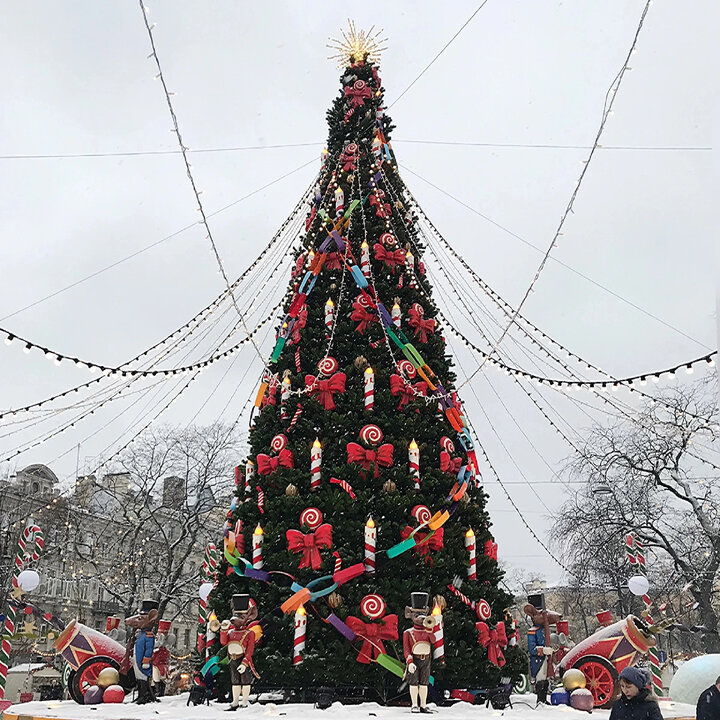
(423, 547)
(333, 261)
(372, 635)
(298, 325)
(392, 258)
(309, 219)
(491, 550)
(494, 640)
(310, 545)
(362, 313)
(450, 464)
(349, 157)
(271, 396)
(299, 265)
(325, 389)
(267, 465)
(382, 457)
(407, 392)
(420, 323)
(358, 93)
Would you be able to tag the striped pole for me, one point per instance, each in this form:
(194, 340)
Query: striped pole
(22, 559)
(636, 558)
(208, 575)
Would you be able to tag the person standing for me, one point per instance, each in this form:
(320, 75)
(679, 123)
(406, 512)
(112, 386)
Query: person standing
(708, 704)
(636, 701)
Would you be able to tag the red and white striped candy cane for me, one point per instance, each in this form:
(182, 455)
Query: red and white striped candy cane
(297, 359)
(260, 500)
(338, 562)
(345, 485)
(295, 417)
(23, 558)
(636, 558)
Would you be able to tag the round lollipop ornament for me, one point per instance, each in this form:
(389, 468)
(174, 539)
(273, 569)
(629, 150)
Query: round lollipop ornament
(482, 609)
(387, 239)
(279, 442)
(447, 444)
(312, 517)
(328, 365)
(407, 369)
(371, 434)
(373, 606)
(421, 513)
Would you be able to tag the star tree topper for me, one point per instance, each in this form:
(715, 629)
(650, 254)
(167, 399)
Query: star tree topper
(357, 45)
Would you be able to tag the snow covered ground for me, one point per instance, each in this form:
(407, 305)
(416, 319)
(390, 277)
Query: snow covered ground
(173, 708)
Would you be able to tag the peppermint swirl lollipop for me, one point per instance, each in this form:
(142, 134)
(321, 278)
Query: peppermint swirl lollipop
(447, 444)
(407, 369)
(351, 148)
(328, 365)
(421, 513)
(387, 239)
(363, 300)
(482, 609)
(312, 517)
(359, 85)
(279, 442)
(373, 606)
(371, 434)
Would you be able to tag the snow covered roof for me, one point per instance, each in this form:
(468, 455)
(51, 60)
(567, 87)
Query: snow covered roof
(26, 667)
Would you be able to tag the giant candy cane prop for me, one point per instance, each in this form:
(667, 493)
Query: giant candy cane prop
(636, 559)
(23, 557)
(208, 575)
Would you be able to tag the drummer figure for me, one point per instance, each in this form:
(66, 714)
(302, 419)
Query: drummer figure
(417, 647)
(239, 635)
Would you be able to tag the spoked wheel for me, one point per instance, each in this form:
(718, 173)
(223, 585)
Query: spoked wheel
(601, 677)
(87, 674)
(522, 686)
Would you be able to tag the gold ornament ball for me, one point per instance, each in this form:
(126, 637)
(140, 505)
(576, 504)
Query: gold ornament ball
(440, 602)
(108, 676)
(291, 490)
(389, 486)
(335, 600)
(573, 679)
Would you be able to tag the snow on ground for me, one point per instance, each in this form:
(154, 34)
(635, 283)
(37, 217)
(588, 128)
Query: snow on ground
(175, 708)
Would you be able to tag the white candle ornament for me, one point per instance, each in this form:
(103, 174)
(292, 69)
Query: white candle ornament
(370, 541)
(257, 541)
(315, 464)
(300, 631)
(369, 377)
(414, 458)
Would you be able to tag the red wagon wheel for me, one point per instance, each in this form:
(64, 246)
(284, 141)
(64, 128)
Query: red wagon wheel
(87, 674)
(601, 677)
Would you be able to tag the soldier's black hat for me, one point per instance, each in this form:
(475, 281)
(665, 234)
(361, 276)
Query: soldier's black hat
(148, 605)
(240, 602)
(537, 601)
(419, 600)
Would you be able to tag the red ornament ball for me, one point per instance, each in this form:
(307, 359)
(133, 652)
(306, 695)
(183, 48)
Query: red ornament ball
(27, 610)
(113, 694)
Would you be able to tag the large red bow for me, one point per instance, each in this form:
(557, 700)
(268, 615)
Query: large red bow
(363, 316)
(310, 545)
(420, 323)
(333, 261)
(267, 465)
(399, 386)
(324, 389)
(424, 549)
(389, 257)
(309, 219)
(382, 457)
(491, 549)
(298, 325)
(358, 93)
(494, 640)
(450, 464)
(372, 635)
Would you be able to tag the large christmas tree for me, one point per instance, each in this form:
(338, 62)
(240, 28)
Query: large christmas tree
(359, 440)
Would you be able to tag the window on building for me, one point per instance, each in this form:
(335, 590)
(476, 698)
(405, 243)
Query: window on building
(186, 638)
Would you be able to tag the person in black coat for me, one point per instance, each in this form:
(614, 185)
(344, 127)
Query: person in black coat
(636, 701)
(708, 705)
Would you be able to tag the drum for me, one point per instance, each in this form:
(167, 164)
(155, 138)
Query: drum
(235, 649)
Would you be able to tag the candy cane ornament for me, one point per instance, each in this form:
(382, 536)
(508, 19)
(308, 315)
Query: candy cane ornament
(22, 559)
(414, 459)
(300, 634)
(471, 548)
(345, 485)
(370, 543)
(315, 465)
(369, 381)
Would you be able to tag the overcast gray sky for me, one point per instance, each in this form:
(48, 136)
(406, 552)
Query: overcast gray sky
(76, 80)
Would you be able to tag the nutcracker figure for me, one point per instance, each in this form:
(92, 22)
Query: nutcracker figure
(161, 657)
(142, 645)
(239, 635)
(541, 653)
(417, 647)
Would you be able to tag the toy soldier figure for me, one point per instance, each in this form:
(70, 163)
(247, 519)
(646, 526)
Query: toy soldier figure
(143, 645)
(239, 635)
(541, 653)
(161, 657)
(417, 647)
